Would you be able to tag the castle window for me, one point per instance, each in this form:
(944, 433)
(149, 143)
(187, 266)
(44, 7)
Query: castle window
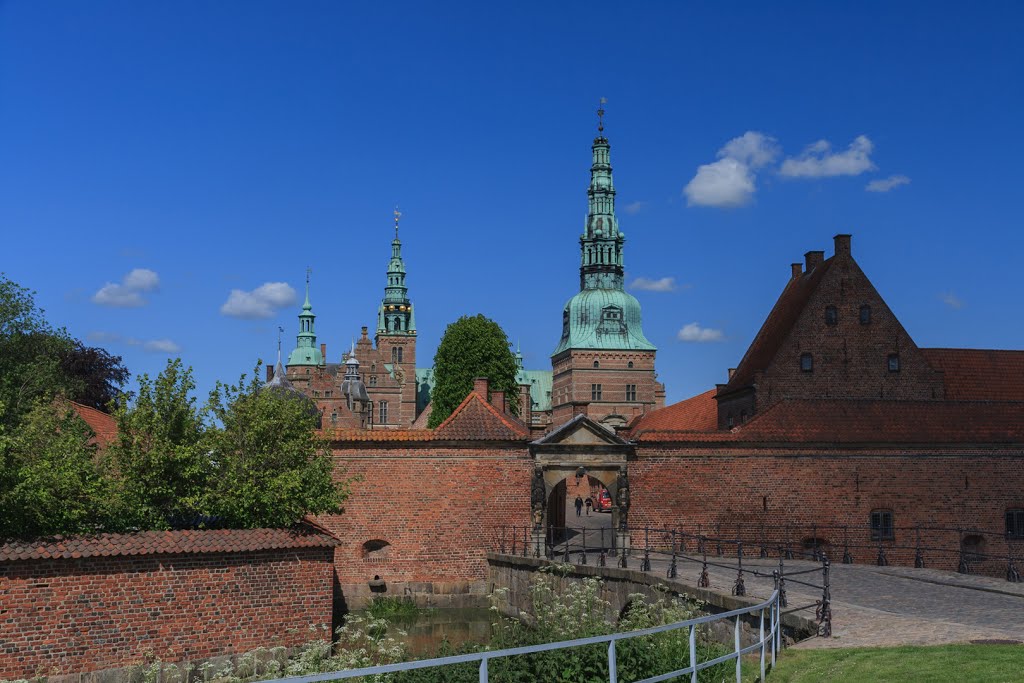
(806, 362)
(743, 416)
(334, 417)
(597, 364)
(383, 412)
(831, 315)
(630, 392)
(629, 364)
(327, 394)
(881, 526)
(865, 315)
(730, 422)
(595, 392)
(373, 367)
(396, 354)
(894, 362)
(1015, 523)
(373, 380)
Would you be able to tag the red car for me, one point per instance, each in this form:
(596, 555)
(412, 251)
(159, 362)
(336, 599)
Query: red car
(604, 502)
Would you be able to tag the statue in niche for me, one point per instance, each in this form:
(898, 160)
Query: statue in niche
(622, 499)
(537, 495)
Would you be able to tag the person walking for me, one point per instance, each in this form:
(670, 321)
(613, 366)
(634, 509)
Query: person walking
(579, 505)
(589, 503)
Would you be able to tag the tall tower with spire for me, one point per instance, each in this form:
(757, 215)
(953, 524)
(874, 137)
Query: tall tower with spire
(306, 353)
(603, 365)
(396, 333)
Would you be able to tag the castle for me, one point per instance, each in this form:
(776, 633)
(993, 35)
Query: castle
(602, 367)
(834, 426)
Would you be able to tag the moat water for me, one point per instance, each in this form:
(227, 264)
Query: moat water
(428, 628)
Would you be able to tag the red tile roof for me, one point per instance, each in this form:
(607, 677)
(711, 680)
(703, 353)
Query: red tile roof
(103, 425)
(839, 421)
(477, 419)
(777, 326)
(378, 434)
(166, 542)
(980, 374)
(698, 413)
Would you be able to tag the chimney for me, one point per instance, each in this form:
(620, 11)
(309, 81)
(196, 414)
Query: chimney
(842, 245)
(480, 387)
(498, 400)
(323, 352)
(797, 269)
(364, 332)
(812, 259)
(270, 372)
(525, 404)
(732, 371)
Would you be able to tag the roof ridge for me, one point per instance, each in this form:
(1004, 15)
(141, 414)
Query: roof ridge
(459, 408)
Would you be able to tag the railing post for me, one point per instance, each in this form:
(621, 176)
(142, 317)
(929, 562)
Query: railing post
(672, 570)
(645, 565)
(761, 631)
(704, 581)
(824, 611)
(483, 670)
(693, 653)
(739, 588)
(739, 659)
(883, 561)
(583, 555)
(1012, 575)
(789, 544)
(847, 557)
(918, 557)
(782, 583)
(502, 546)
(962, 566)
(613, 674)
(718, 540)
(515, 539)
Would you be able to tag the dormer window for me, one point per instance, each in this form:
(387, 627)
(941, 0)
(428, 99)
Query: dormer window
(611, 320)
(894, 362)
(831, 315)
(806, 362)
(865, 315)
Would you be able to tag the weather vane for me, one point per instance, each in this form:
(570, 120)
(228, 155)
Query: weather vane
(600, 115)
(398, 214)
(309, 271)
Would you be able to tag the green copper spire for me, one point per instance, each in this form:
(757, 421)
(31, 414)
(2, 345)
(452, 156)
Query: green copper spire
(306, 351)
(603, 315)
(395, 314)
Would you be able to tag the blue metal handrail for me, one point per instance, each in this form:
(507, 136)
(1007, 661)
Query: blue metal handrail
(769, 644)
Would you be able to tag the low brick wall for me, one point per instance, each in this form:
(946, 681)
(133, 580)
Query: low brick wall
(83, 605)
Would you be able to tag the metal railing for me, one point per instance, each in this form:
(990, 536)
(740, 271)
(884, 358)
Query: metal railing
(768, 645)
(570, 545)
(966, 550)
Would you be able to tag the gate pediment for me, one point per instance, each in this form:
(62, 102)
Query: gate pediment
(581, 431)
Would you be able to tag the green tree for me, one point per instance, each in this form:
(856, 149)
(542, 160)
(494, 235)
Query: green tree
(38, 362)
(157, 460)
(49, 479)
(270, 466)
(472, 346)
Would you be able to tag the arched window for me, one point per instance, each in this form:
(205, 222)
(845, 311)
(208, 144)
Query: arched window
(882, 528)
(806, 362)
(597, 364)
(831, 315)
(629, 364)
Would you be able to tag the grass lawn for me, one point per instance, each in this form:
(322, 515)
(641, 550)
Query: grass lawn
(968, 663)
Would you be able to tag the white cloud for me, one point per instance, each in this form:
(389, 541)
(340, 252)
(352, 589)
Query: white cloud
(150, 345)
(665, 284)
(634, 207)
(142, 280)
(261, 302)
(886, 184)
(729, 181)
(695, 333)
(128, 293)
(752, 148)
(818, 161)
(952, 300)
(160, 346)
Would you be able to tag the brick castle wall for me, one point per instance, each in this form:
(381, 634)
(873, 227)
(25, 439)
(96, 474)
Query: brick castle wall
(422, 517)
(61, 616)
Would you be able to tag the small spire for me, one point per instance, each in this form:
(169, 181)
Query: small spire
(398, 214)
(307, 305)
(279, 331)
(600, 115)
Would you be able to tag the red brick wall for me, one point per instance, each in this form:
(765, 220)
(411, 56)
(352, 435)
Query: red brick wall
(437, 507)
(89, 614)
(969, 489)
(574, 373)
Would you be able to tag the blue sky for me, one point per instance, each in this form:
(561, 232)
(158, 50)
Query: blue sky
(156, 156)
